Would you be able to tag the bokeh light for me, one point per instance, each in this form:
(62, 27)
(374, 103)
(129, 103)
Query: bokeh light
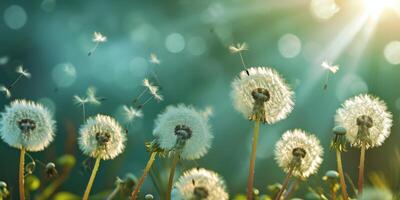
(289, 45)
(175, 43)
(64, 74)
(392, 52)
(15, 17)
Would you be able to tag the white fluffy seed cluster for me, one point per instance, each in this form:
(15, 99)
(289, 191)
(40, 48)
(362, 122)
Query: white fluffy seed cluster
(281, 100)
(297, 138)
(89, 137)
(200, 140)
(38, 120)
(365, 105)
(197, 182)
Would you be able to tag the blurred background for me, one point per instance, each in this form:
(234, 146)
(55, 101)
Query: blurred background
(52, 38)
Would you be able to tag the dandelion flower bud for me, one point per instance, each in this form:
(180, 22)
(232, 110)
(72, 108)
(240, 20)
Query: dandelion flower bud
(102, 136)
(366, 120)
(26, 124)
(182, 128)
(260, 93)
(299, 152)
(200, 184)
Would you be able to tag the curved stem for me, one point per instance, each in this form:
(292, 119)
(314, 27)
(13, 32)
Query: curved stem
(284, 184)
(171, 175)
(91, 180)
(22, 175)
(141, 180)
(250, 179)
(361, 170)
(341, 176)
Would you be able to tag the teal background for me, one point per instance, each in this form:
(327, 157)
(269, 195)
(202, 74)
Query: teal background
(200, 75)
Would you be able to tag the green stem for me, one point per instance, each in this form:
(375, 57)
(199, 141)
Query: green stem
(91, 180)
(113, 193)
(250, 180)
(361, 170)
(141, 180)
(171, 175)
(284, 185)
(21, 174)
(341, 175)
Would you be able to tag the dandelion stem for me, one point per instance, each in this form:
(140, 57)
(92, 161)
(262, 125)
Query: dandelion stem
(333, 193)
(241, 58)
(146, 171)
(113, 193)
(21, 174)
(292, 188)
(171, 175)
(91, 180)
(250, 180)
(341, 175)
(284, 184)
(361, 170)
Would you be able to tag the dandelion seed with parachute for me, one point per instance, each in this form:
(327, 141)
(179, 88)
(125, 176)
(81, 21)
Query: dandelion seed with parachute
(97, 39)
(27, 126)
(330, 69)
(368, 124)
(131, 113)
(237, 49)
(261, 95)
(154, 92)
(154, 59)
(102, 138)
(299, 154)
(200, 184)
(22, 73)
(90, 98)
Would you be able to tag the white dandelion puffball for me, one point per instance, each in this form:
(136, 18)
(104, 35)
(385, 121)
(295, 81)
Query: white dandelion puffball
(262, 82)
(183, 121)
(292, 141)
(368, 107)
(200, 184)
(26, 124)
(102, 136)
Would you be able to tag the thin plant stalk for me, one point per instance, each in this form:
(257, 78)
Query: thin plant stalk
(250, 180)
(83, 112)
(241, 58)
(21, 174)
(91, 180)
(341, 175)
(361, 169)
(284, 184)
(292, 188)
(171, 175)
(141, 180)
(333, 193)
(113, 193)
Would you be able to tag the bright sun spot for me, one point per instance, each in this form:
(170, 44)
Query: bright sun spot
(374, 8)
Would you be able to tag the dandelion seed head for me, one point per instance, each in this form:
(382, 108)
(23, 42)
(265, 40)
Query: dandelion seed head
(131, 114)
(365, 106)
(178, 120)
(200, 184)
(5, 91)
(98, 37)
(239, 47)
(102, 136)
(330, 67)
(154, 59)
(262, 82)
(20, 70)
(294, 140)
(26, 124)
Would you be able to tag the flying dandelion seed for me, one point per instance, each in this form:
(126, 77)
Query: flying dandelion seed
(208, 112)
(154, 59)
(4, 60)
(154, 92)
(330, 69)
(90, 98)
(5, 91)
(237, 49)
(131, 113)
(23, 72)
(97, 39)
